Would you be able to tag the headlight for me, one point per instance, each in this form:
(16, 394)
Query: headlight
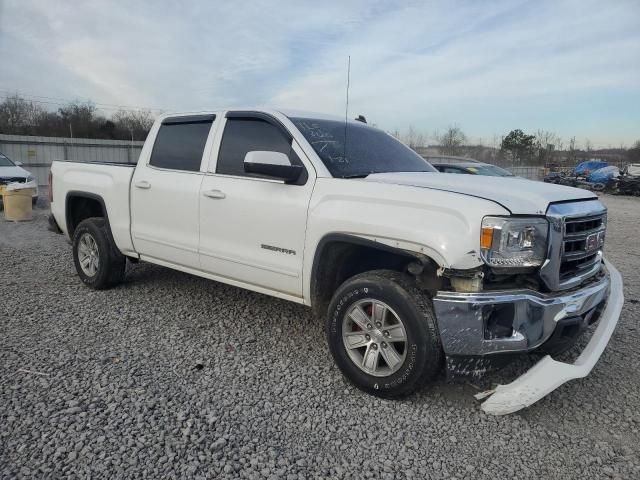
(514, 242)
(30, 178)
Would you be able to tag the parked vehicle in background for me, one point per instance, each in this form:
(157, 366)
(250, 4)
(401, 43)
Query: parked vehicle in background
(624, 185)
(473, 168)
(627, 183)
(585, 168)
(412, 270)
(603, 175)
(632, 170)
(554, 177)
(12, 172)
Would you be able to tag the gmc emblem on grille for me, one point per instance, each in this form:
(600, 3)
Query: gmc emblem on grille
(591, 242)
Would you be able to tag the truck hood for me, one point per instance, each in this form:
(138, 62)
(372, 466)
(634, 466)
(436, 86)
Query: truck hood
(519, 196)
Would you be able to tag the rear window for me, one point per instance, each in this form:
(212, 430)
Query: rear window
(180, 143)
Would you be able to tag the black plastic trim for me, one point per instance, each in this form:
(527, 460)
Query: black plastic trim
(80, 194)
(288, 173)
(189, 119)
(113, 164)
(350, 239)
(53, 224)
(262, 116)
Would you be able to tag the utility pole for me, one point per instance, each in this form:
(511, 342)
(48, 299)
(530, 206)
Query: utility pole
(131, 149)
(70, 149)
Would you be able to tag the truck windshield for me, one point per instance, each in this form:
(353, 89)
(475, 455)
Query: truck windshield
(368, 150)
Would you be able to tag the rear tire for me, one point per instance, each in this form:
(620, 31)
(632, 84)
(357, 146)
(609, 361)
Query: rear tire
(394, 349)
(98, 262)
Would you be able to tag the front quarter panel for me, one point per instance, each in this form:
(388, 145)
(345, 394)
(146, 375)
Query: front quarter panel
(442, 225)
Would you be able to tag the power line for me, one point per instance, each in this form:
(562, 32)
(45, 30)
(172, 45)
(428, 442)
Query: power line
(66, 101)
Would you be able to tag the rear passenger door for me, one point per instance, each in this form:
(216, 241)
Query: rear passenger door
(252, 228)
(165, 192)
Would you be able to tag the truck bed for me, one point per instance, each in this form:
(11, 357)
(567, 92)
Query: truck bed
(108, 181)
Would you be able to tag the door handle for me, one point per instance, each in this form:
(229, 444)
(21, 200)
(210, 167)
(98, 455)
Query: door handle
(218, 194)
(143, 184)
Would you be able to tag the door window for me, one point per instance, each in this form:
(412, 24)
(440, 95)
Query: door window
(242, 135)
(180, 143)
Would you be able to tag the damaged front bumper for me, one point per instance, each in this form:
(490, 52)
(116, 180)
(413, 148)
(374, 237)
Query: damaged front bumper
(486, 323)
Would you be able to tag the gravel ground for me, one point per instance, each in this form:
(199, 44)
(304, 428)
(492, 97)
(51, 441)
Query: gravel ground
(173, 376)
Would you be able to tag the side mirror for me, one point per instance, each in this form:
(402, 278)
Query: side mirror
(17, 163)
(272, 164)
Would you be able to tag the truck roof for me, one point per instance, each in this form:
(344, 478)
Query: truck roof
(270, 110)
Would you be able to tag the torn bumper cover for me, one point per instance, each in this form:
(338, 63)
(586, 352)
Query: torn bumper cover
(487, 323)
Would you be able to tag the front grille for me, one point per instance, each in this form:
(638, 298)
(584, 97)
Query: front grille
(8, 180)
(579, 226)
(583, 238)
(576, 238)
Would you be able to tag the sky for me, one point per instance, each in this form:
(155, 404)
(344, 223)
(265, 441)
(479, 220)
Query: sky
(571, 67)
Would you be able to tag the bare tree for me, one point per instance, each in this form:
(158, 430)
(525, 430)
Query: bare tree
(572, 150)
(24, 117)
(546, 139)
(633, 154)
(135, 122)
(451, 140)
(588, 146)
(81, 118)
(18, 115)
(546, 143)
(413, 138)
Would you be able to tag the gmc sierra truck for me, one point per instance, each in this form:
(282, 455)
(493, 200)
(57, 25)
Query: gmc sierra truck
(415, 271)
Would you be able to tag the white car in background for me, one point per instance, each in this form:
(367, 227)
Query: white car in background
(633, 170)
(12, 172)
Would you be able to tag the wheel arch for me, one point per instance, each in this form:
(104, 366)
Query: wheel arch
(340, 256)
(82, 205)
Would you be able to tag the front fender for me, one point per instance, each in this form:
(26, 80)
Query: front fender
(442, 225)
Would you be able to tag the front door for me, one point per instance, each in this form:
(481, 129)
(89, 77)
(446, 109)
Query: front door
(252, 229)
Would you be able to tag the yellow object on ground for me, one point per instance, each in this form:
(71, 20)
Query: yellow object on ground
(17, 204)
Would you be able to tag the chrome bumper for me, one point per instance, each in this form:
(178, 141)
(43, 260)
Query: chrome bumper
(548, 374)
(463, 317)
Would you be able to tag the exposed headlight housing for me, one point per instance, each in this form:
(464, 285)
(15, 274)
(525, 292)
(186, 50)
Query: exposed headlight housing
(512, 242)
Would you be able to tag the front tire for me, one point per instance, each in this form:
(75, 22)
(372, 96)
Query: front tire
(382, 333)
(98, 262)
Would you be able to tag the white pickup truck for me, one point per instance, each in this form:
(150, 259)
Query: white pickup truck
(414, 270)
